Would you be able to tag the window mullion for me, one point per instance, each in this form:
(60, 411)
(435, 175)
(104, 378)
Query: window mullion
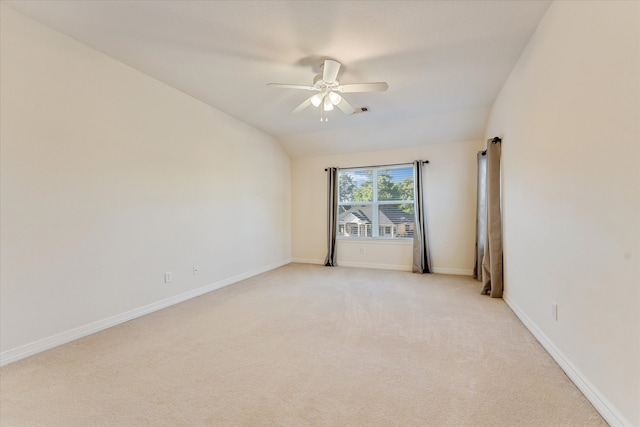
(394, 202)
(375, 220)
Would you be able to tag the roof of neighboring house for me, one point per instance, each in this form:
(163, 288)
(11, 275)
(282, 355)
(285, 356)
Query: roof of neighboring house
(389, 214)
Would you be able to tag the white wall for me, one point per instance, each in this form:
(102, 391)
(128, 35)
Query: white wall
(109, 179)
(450, 208)
(569, 115)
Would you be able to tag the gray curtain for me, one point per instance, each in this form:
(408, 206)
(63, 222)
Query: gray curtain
(332, 216)
(492, 260)
(421, 257)
(481, 215)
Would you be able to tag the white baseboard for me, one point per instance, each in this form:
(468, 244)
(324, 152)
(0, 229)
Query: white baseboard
(39, 346)
(597, 399)
(456, 271)
(308, 261)
(356, 264)
(397, 267)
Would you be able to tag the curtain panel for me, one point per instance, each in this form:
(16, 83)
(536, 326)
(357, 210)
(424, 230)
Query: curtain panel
(481, 215)
(421, 256)
(332, 216)
(492, 277)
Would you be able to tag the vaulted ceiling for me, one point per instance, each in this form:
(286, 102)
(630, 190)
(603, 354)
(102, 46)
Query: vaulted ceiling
(444, 61)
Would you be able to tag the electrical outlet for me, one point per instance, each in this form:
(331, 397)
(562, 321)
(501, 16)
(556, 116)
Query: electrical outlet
(168, 277)
(554, 310)
(196, 270)
(362, 251)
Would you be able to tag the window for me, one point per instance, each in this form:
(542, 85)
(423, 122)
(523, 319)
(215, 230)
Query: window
(376, 202)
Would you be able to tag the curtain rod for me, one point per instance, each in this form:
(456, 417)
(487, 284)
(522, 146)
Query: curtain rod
(379, 166)
(495, 141)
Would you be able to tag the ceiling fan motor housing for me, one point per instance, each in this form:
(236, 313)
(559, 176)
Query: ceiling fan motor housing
(322, 85)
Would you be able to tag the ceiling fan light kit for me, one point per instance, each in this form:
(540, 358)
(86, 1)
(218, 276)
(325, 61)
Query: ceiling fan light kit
(335, 98)
(329, 90)
(328, 105)
(316, 100)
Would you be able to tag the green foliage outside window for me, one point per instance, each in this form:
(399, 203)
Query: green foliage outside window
(388, 189)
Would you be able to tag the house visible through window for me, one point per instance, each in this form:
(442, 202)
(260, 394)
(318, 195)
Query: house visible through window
(376, 202)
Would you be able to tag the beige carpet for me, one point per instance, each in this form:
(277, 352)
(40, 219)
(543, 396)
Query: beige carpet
(305, 346)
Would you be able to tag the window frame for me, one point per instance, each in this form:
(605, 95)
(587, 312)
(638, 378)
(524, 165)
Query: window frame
(375, 203)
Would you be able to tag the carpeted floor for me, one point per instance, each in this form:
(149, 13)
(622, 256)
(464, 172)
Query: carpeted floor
(305, 345)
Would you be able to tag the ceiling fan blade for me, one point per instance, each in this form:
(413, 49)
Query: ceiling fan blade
(330, 70)
(363, 87)
(288, 86)
(345, 107)
(302, 106)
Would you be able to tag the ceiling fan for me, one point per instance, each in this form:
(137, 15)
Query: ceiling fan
(329, 89)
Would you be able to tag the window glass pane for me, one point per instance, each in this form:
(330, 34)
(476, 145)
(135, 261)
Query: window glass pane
(355, 186)
(355, 221)
(395, 184)
(396, 220)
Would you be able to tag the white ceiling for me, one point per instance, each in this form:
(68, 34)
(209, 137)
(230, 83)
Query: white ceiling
(445, 61)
